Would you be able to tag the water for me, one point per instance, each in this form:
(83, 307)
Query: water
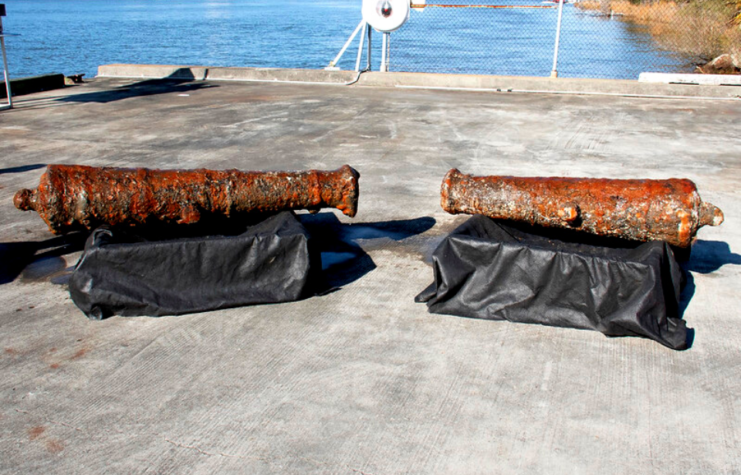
(520, 42)
(75, 36)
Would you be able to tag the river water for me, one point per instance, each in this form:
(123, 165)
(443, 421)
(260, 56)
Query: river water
(75, 36)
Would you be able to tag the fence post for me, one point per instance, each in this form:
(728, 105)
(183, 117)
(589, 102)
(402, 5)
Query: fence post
(5, 60)
(384, 53)
(554, 71)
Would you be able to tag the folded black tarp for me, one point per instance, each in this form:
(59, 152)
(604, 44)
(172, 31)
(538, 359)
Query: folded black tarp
(272, 261)
(502, 271)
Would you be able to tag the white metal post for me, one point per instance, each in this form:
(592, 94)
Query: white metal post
(333, 63)
(360, 47)
(5, 67)
(554, 71)
(385, 52)
(388, 51)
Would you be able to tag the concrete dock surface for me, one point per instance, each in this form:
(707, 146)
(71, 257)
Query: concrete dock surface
(363, 380)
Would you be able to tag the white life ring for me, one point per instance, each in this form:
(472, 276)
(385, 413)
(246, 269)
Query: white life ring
(386, 15)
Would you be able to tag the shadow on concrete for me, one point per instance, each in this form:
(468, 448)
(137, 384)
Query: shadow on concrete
(181, 81)
(705, 257)
(344, 260)
(24, 259)
(709, 256)
(22, 169)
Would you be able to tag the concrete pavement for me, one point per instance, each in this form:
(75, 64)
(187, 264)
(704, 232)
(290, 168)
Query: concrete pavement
(363, 380)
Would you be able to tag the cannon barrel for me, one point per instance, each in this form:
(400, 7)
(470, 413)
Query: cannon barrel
(71, 197)
(644, 210)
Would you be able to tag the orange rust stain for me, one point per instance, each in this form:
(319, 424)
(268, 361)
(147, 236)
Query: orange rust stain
(35, 432)
(11, 351)
(54, 446)
(685, 227)
(54, 366)
(80, 353)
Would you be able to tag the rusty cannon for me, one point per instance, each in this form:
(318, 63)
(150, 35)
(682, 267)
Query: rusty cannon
(643, 210)
(71, 197)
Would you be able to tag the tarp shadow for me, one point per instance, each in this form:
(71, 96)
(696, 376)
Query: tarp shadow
(181, 81)
(24, 259)
(344, 260)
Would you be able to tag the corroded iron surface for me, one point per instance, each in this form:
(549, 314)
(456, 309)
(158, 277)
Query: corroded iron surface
(71, 197)
(644, 210)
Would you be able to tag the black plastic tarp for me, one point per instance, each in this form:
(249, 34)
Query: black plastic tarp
(502, 271)
(270, 262)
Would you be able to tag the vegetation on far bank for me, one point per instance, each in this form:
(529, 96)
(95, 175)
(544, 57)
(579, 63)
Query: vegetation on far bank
(700, 29)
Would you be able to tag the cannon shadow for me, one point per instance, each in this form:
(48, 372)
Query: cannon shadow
(21, 169)
(709, 256)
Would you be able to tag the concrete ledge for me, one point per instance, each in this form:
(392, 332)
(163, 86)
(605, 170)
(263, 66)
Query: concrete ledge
(22, 86)
(422, 80)
(700, 79)
(545, 85)
(152, 71)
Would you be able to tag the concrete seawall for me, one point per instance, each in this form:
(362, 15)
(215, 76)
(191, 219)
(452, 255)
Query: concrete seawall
(30, 85)
(421, 80)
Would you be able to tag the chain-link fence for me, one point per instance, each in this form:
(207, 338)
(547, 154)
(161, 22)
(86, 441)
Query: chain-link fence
(598, 39)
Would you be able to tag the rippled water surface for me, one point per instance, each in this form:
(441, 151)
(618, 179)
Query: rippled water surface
(75, 36)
